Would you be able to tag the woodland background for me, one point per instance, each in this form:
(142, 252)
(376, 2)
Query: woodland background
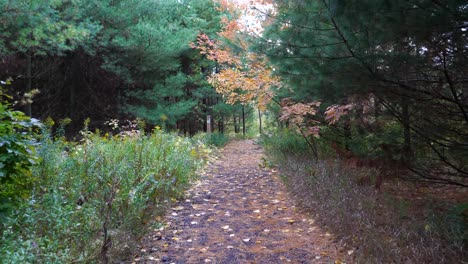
(375, 92)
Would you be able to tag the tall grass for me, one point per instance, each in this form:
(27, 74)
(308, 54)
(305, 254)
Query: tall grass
(94, 200)
(373, 227)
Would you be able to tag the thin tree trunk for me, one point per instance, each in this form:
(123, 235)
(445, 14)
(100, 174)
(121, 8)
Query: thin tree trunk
(243, 120)
(347, 133)
(208, 124)
(260, 120)
(236, 130)
(221, 125)
(29, 77)
(406, 119)
(406, 131)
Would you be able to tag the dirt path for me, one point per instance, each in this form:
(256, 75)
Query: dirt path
(238, 213)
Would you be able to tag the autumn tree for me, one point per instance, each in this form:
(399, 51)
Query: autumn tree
(241, 75)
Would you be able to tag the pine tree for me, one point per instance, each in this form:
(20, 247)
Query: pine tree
(407, 58)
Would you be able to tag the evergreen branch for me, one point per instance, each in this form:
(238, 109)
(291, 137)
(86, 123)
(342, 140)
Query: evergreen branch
(292, 24)
(312, 57)
(304, 47)
(452, 89)
(427, 139)
(314, 46)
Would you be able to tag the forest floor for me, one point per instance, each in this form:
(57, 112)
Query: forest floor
(239, 213)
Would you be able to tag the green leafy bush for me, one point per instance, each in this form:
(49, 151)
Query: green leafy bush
(94, 200)
(17, 154)
(284, 143)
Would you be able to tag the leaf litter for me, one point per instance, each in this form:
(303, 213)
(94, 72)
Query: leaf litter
(239, 213)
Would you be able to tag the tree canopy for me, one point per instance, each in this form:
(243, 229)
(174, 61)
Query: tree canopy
(103, 59)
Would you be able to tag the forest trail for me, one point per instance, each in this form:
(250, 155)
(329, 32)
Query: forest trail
(238, 213)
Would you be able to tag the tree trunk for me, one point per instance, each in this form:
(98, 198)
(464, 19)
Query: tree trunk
(243, 120)
(221, 125)
(260, 120)
(208, 124)
(347, 133)
(406, 131)
(236, 128)
(29, 78)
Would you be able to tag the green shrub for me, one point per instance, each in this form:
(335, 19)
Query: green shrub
(97, 198)
(17, 154)
(283, 144)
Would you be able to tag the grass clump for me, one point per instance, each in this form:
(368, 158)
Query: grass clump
(94, 200)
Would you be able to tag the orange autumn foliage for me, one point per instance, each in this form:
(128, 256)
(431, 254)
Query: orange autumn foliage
(301, 116)
(244, 76)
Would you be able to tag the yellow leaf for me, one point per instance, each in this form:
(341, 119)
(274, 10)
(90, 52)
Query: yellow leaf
(178, 208)
(427, 228)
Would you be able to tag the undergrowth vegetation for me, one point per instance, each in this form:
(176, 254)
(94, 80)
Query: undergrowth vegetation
(17, 154)
(211, 139)
(93, 200)
(375, 227)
